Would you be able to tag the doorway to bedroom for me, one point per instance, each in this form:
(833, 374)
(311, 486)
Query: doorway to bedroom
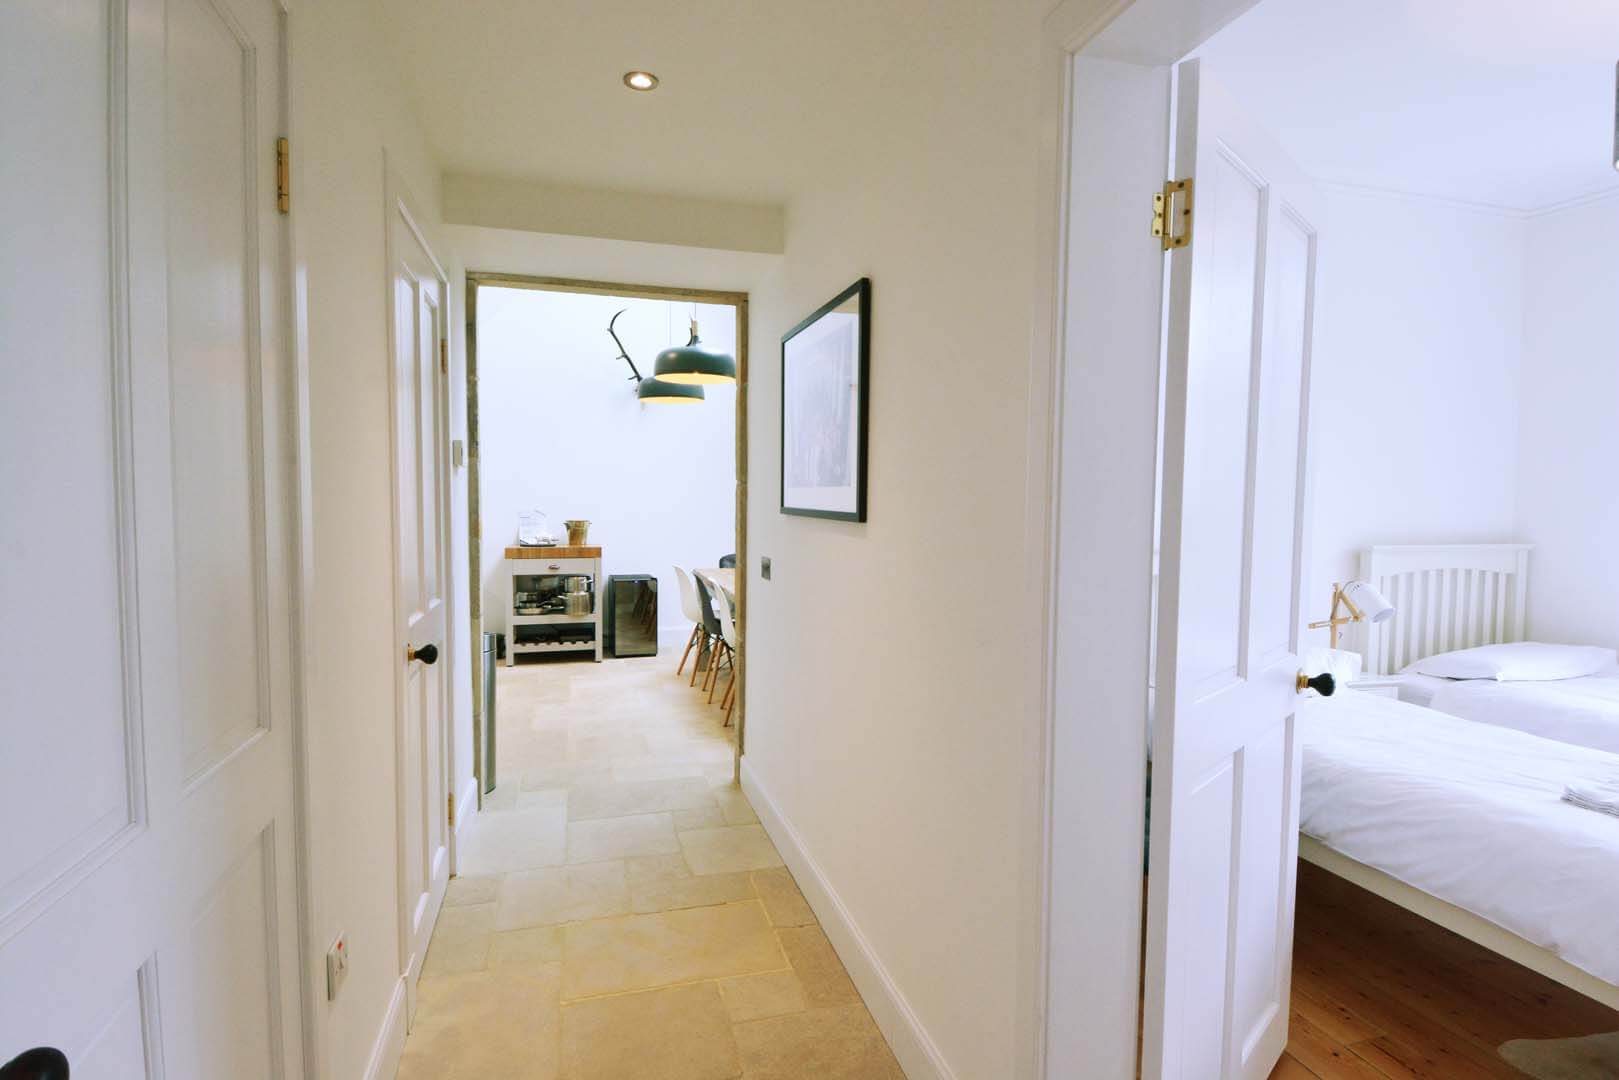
(1409, 246)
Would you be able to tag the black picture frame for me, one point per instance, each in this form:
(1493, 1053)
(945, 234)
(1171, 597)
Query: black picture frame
(836, 506)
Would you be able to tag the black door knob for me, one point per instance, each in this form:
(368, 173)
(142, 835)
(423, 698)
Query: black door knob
(1323, 684)
(427, 654)
(40, 1063)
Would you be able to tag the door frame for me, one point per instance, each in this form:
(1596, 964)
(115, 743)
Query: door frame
(541, 283)
(301, 586)
(1159, 32)
(398, 202)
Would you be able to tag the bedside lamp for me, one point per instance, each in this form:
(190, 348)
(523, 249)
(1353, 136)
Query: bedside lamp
(1359, 602)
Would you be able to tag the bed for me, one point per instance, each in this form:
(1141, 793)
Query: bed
(1458, 820)
(1464, 824)
(1457, 596)
(1583, 711)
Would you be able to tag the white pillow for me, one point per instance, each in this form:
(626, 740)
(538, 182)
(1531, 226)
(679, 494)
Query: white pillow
(1520, 661)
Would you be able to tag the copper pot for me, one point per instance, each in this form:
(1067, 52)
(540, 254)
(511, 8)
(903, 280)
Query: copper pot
(577, 532)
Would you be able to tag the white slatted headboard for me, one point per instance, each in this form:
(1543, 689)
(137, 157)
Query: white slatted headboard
(1445, 597)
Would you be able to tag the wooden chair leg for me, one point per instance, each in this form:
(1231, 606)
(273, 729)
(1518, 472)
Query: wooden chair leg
(714, 670)
(702, 648)
(731, 706)
(730, 688)
(689, 643)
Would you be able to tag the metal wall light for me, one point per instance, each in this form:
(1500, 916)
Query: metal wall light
(654, 389)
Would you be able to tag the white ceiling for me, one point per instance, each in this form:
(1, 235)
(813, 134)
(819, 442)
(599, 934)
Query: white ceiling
(1500, 102)
(753, 92)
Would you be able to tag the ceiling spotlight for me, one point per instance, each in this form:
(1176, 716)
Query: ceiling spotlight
(640, 80)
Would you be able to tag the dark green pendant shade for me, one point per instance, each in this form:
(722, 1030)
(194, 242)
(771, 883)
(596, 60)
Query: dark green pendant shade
(662, 390)
(692, 364)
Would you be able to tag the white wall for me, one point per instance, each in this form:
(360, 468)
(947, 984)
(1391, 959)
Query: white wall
(561, 431)
(1416, 378)
(348, 111)
(1568, 438)
(889, 711)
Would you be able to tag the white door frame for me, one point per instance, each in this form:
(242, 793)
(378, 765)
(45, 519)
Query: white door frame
(311, 969)
(1160, 32)
(398, 201)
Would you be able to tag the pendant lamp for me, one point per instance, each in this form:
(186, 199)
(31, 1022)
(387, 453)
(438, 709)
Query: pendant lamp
(669, 393)
(693, 364)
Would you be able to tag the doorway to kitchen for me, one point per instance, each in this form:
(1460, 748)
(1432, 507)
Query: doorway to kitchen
(607, 497)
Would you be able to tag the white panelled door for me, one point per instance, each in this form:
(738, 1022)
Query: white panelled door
(148, 915)
(421, 476)
(1225, 784)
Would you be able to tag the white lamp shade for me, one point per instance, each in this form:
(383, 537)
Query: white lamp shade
(1368, 601)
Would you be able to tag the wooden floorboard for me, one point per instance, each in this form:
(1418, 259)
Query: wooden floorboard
(1382, 994)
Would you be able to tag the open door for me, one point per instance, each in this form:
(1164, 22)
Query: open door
(421, 475)
(1225, 785)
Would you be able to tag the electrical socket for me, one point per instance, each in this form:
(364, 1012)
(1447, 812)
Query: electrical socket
(337, 966)
(764, 567)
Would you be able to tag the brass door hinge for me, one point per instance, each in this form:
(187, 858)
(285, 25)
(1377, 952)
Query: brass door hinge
(283, 180)
(451, 800)
(444, 356)
(1172, 219)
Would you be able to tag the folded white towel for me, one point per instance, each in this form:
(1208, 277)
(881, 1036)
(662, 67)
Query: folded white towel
(1599, 795)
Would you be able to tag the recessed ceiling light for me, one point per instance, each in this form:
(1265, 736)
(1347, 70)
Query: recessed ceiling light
(640, 80)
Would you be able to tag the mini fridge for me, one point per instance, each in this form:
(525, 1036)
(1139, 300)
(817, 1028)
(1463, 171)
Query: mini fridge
(632, 615)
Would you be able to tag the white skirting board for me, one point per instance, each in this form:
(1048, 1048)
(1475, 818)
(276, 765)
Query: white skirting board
(917, 1054)
(390, 1044)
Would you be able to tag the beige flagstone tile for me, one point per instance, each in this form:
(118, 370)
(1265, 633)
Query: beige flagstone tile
(703, 817)
(460, 940)
(617, 798)
(728, 849)
(688, 892)
(821, 1044)
(735, 805)
(783, 902)
(562, 894)
(468, 889)
(820, 971)
(616, 838)
(498, 843)
(528, 948)
(755, 997)
(486, 1024)
(679, 1033)
(644, 870)
(639, 952)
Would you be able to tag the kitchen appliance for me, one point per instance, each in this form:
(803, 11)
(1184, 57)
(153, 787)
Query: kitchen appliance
(632, 615)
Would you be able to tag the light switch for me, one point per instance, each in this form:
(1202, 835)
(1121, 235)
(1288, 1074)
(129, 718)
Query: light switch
(458, 453)
(764, 567)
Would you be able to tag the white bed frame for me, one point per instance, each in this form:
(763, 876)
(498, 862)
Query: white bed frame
(1445, 597)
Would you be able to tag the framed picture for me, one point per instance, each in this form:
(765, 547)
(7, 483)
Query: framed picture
(825, 365)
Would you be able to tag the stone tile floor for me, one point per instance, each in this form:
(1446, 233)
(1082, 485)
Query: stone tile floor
(620, 913)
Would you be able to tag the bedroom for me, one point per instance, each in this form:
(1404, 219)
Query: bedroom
(1456, 181)
(1462, 382)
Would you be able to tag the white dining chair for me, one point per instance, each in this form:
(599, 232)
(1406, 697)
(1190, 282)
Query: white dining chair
(692, 608)
(728, 644)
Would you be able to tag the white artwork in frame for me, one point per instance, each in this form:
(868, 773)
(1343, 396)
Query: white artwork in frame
(825, 365)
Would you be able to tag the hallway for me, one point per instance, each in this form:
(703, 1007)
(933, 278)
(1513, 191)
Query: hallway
(620, 913)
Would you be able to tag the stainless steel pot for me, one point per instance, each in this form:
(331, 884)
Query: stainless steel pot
(572, 583)
(577, 603)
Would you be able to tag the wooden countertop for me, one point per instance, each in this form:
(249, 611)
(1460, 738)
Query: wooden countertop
(559, 551)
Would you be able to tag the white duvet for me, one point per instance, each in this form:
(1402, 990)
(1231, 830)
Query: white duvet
(1472, 814)
(1584, 712)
